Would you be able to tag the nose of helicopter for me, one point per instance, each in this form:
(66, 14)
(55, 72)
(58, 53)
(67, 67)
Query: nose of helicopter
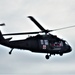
(69, 49)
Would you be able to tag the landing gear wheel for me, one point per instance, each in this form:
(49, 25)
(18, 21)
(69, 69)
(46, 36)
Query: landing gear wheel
(47, 56)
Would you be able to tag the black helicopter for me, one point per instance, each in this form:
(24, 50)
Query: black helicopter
(46, 43)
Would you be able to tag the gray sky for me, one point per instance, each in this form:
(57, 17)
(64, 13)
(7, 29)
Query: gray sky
(51, 14)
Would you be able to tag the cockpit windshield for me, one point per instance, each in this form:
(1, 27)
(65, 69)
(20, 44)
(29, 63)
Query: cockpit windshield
(66, 43)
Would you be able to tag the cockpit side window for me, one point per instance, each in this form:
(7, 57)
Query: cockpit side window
(57, 44)
(61, 43)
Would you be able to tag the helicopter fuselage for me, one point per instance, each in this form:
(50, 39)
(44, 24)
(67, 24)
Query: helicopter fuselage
(41, 44)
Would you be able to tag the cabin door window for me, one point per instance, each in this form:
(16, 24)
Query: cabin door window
(44, 44)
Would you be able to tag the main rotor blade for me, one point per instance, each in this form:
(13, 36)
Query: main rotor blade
(3, 24)
(25, 33)
(62, 28)
(22, 33)
(38, 25)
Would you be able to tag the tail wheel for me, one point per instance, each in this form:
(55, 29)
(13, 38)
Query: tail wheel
(11, 51)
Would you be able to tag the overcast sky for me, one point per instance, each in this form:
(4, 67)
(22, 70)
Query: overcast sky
(51, 14)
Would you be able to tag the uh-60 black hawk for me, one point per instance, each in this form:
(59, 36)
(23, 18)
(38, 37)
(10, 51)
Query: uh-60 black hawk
(45, 43)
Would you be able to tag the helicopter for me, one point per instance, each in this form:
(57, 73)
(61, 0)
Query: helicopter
(45, 43)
